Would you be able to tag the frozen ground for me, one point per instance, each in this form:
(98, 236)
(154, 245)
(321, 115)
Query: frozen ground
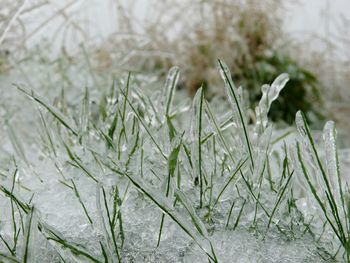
(76, 183)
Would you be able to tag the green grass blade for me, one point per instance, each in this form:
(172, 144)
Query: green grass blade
(117, 215)
(239, 166)
(27, 251)
(239, 215)
(167, 208)
(23, 205)
(145, 126)
(195, 219)
(214, 123)
(81, 202)
(8, 258)
(170, 85)
(279, 199)
(55, 113)
(226, 75)
(172, 163)
(48, 135)
(230, 213)
(305, 133)
(76, 250)
(303, 170)
(126, 94)
(197, 144)
(85, 113)
(111, 227)
(333, 167)
(7, 245)
(76, 161)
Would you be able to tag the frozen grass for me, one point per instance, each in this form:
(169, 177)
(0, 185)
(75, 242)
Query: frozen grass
(143, 177)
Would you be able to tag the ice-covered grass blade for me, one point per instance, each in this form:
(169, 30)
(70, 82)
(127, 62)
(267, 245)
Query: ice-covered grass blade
(8, 258)
(333, 167)
(23, 205)
(47, 132)
(305, 133)
(170, 86)
(172, 163)
(166, 206)
(85, 114)
(78, 163)
(81, 202)
(303, 169)
(194, 217)
(217, 128)
(77, 250)
(27, 249)
(55, 113)
(239, 215)
(269, 94)
(144, 125)
(196, 132)
(226, 75)
(279, 199)
(239, 167)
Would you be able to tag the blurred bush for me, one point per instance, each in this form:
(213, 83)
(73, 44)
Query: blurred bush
(301, 91)
(247, 35)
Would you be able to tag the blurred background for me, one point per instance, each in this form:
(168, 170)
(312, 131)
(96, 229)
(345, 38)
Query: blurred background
(72, 44)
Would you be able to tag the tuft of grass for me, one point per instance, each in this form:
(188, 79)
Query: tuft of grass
(214, 171)
(331, 207)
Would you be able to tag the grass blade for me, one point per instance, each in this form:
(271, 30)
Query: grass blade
(145, 126)
(332, 161)
(279, 199)
(305, 133)
(303, 170)
(76, 249)
(239, 215)
(170, 85)
(76, 161)
(167, 208)
(81, 202)
(239, 166)
(226, 75)
(55, 113)
(214, 123)
(26, 249)
(197, 144)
